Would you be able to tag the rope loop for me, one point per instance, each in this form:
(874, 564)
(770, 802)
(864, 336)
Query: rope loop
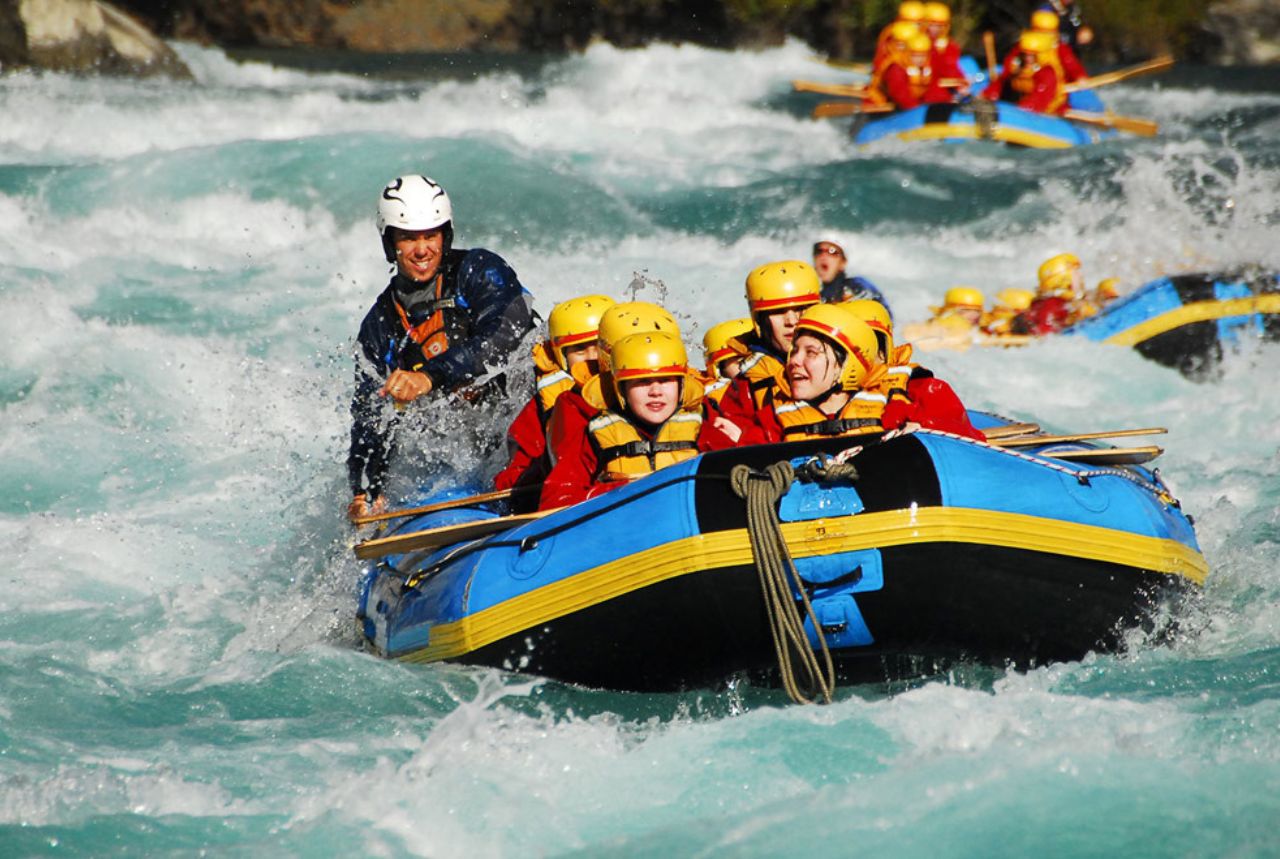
(780, 582)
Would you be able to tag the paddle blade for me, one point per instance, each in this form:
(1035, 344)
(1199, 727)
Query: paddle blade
(443, 536)
(844, 90)
(1108, 456)
(1162, 63)
(1131, 124)
(828, 109)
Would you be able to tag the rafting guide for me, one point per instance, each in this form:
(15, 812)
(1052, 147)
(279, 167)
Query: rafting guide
(446, 314)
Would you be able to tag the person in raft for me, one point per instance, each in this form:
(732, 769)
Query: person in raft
(446, 314)
(946, 53)
(649, 414)
(1044, 21)
(831, 386)
(1033, 79)
(1008, 304)
(723, 349)
(906, 78)
(1073, 31)
(1057, 295)
(910, 20)
(567, 358)
(829, 262)
(916, 395)
(572, 413)
(777, 294)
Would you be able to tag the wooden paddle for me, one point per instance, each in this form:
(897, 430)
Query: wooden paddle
(443, 536)
(989, 45)
(846, 90)
(482, 498)
(1009, 430)
(1160, 64)
(1131, 124)
(828, 109)
(1108, 456)
(1029, 441)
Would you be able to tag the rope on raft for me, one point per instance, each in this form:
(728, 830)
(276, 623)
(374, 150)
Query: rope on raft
(779, 580)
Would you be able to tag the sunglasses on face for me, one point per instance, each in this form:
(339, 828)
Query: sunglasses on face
(835, 252)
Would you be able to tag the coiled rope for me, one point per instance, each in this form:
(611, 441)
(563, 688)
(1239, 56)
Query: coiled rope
(762, 491)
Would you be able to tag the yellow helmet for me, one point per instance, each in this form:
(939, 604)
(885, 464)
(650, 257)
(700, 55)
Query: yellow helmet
(648, 355)
(780, 285)
(575, 322)
(937, 13)
(1044, 21)
(715, 343)
(911, 10)
(877, 317)
(837, 324)
(1015, 299)
(1108, 288)
(902, 31)
(963, 297)
(920, 43)
(1056, 276)
(631, 317)
(1037, 42)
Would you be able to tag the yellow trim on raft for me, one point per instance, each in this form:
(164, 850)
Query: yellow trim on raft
(722, 549)
(1197, 311)
(950, 131)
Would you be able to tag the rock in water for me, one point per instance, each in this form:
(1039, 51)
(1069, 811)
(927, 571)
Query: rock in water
(84, 36)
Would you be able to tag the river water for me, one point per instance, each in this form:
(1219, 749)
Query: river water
(182, 271)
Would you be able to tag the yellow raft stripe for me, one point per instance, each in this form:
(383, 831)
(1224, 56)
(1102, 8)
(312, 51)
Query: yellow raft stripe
(1021, 137)
(1198, 311)
(722, 549)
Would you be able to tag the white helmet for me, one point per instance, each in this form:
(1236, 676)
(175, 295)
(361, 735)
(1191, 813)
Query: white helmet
(412, 202)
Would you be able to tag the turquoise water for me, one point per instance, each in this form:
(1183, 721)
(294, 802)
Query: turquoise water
(182, 269)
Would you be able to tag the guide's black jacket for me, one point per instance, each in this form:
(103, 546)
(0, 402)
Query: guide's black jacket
(484, 314)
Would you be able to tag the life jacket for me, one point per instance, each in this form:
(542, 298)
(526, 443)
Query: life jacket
(997, 322)
(716, 388)
(763, 373)
(800, 420)
(432, 334)
(920, 76)
(622, 451)
(1022, 81)
(898, 371)
(551, 381)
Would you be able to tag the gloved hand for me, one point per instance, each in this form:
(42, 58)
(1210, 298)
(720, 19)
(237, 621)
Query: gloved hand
(360, 506)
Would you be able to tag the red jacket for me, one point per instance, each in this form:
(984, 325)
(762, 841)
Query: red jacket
(1044, 316)
(1045, 88)
(931, 403)
(739, 406)
(1072, 68)
(946, 62)
(527, 447)
(573, 461)
(899, 90)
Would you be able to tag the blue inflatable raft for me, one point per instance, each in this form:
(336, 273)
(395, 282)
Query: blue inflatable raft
(1002, 122)
(1190, 321)
(939, 548)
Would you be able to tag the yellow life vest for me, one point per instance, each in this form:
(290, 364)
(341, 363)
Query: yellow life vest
(898, 372)
(716, 388)
(1023, 80)
(551, 381)
(861, 415)
(763, 373)
(622, 453)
